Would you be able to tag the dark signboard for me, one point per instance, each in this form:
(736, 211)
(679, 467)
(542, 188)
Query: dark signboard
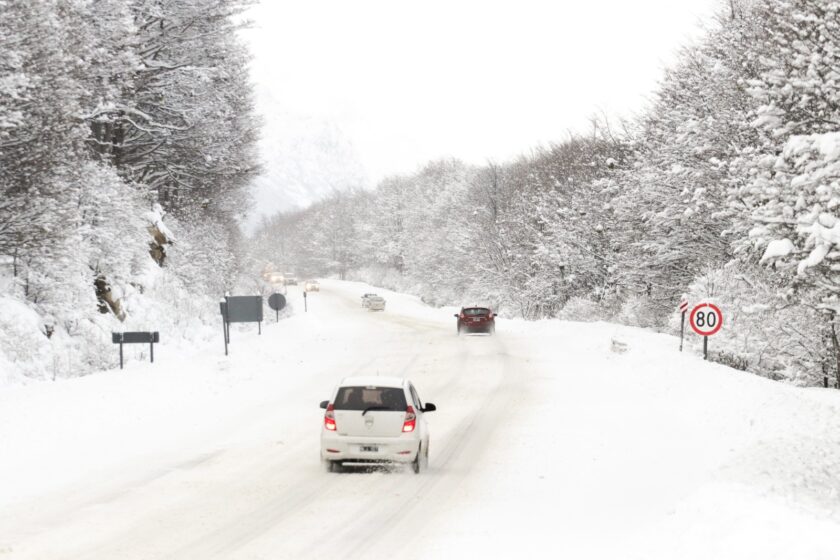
(240, 309)
(135, 337)
(149, 338)
(244, 309)
(277, 302)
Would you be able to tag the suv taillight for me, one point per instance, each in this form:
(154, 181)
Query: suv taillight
(410, 421)
(329, 418)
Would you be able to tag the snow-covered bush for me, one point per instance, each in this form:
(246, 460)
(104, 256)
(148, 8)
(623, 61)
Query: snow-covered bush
(765, 329)
(24, 347)
(582, 309)
(637, 311)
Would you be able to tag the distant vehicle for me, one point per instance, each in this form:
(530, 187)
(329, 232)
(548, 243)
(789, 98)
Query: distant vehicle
(376, 303)
(312, 286)
(366, 298)
(289, 279)
(476, 319)
(373, 420)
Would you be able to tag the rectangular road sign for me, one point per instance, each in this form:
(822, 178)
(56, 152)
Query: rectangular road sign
(150, 338)
(244, 309)
(135, 337)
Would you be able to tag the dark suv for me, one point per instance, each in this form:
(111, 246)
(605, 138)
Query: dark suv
(476, 319)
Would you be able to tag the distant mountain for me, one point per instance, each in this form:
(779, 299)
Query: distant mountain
(304, 159)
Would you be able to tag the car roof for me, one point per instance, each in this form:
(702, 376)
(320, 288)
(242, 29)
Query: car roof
(372, 380)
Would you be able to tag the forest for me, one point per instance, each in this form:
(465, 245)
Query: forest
(725, 189)
(127, 144)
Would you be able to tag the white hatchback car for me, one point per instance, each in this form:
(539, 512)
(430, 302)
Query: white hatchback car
(376, 303)
(373, 420)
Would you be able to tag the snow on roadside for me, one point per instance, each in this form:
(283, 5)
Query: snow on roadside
(644, 454)
(22, 342)
(709, 462)
(53, 435)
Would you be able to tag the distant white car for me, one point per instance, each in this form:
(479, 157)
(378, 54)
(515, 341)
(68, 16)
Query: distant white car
(370, 420)
(376, 303)
(366, 299)
(312, 286)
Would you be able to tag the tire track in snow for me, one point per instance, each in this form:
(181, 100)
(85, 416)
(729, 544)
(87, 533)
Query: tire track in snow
(378, 530)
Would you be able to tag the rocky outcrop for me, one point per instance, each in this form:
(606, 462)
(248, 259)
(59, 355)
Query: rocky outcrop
(107, 302)
(161, 235)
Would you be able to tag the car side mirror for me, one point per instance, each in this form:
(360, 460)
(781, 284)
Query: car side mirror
(324, 404)
(456, 315)
(430, 407)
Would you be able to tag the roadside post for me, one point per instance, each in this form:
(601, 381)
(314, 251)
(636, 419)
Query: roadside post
(277, 302)
(223, 310)
(136, 338)
(304, 302)
(683, 309)
(706, 319)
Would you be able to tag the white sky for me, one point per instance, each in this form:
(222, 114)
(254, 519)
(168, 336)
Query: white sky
(401, 83)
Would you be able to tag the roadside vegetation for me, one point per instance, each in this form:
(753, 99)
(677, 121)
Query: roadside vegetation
(726, 188)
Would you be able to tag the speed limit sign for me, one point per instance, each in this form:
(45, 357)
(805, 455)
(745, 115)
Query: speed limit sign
(705, 319)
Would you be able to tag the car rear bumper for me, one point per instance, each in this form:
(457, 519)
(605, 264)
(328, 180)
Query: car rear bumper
(479, 328)
(350, 448)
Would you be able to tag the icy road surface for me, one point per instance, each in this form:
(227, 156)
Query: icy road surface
(545, 442)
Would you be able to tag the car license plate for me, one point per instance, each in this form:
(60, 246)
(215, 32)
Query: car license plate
(476, 320)
(370, 449)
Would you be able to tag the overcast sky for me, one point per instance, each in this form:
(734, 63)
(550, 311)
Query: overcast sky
(389, 85)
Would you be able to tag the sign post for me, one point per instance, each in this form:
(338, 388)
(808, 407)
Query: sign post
(683, 308)
(706, 319)
(240, 309)
(277, 302)
(304, 302)
(223, 310)
(136, 338)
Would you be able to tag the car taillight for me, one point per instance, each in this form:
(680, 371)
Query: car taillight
(329, 418)
(410, 419)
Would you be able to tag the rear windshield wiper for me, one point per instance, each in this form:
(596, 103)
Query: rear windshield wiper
(375, 407)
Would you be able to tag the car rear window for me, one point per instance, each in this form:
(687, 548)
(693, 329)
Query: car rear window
(473, 311)
(360, 398)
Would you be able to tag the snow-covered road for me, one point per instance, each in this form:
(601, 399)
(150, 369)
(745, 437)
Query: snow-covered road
(544, 442)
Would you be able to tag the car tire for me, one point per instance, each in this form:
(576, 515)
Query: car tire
(492, 329)
(332, 466)
(459, 330)
(416, 465)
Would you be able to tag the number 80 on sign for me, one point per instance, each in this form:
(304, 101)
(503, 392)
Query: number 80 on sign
(705, 319)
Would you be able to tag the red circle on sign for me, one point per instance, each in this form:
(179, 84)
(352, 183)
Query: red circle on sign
(706, 329)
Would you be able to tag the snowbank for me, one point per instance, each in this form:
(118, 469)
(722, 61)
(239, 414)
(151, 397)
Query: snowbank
(545, 442)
